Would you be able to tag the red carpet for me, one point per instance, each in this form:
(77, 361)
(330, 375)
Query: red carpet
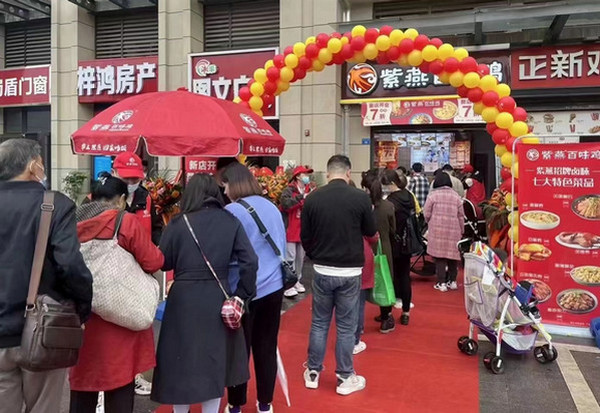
(416, 368)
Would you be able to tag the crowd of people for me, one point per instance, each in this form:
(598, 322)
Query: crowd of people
(339, 227)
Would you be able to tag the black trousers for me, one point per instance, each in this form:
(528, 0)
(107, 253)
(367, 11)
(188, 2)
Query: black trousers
(261, 328)
(444, 276)
(115, 401)
(402, 283)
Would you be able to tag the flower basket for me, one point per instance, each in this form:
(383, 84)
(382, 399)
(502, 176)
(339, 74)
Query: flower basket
(165, 195)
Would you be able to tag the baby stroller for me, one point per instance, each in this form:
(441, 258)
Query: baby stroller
(421, 265)
(474, 228)
(507, 315)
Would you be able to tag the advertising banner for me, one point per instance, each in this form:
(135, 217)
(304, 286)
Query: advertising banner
(112, 80)
(559, 230)
(199, 165)
(223, 74)
(565, 123)
(25, 86)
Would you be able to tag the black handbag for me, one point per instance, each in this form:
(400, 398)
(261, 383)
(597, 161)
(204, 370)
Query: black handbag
(290, 278)
(53, 333)
(411, 241)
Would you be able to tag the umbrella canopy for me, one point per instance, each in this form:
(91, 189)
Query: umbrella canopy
(178, 123)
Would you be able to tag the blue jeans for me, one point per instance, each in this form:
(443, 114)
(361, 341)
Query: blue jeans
(360, 324)
(341, 294)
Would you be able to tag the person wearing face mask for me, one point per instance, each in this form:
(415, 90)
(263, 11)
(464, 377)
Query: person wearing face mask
(64, 276)
(292, 201)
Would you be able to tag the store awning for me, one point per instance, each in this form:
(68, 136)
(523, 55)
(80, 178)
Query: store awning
(97, 6)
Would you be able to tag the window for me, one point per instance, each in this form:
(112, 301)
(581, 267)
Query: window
(27, 44)
(127, 35)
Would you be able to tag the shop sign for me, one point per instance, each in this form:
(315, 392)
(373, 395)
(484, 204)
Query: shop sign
(199, 165)
(25, 86)
(371, 80)
(565, 123)
(559, 230)
(112, 80)
(223, 74)
(556, 67)
(419, 112)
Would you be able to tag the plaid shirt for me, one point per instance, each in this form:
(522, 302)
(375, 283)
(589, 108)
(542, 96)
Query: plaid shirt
(419, 185)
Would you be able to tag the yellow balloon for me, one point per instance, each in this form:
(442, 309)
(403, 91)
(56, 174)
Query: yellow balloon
(488, 82)
(471, 80)
(403, 60)
(345, 41)
(506, 159)
(237, 99)
(311, 40)
(286, 74)
(260, 75)
(478, 107)
(461, 53)
(358, 30)
(283, 86)
(299, 49)
(359, 57)
(513, 233)
(318, 65)
(396, 36)
(510, 198)
(255, 102)
(430, 53)
(444, 77)
(489, 114)
(456, 78)
(415, 58)
(383, 43)
(518, 129)
(500, 150)
(269, 64)
(257, 89)
(504, 120)
(445, 51)
(325, 55)
(513, 218)
(334, 45)
(503, 90)
(531, 139)
(370, 51)
(515, 170)
(291, 61)
(258, 112)
(411, 33)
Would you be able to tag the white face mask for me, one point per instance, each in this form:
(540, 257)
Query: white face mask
(44, 180)
(132, 188)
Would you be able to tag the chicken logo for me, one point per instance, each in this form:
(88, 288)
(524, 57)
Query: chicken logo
(533, 155)
(362, 79)
(248, 119)
(122, 116)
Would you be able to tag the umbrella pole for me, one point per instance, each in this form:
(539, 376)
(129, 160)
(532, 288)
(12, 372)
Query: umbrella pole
(282, 378)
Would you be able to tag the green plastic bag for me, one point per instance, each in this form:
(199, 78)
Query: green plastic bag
(382, 293)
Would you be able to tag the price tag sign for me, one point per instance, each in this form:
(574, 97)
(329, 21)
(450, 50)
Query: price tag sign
(378, 113)
(466, 114)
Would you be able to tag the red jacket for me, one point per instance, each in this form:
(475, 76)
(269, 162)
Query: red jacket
(111, 355)
(368, 272)
(292, 202)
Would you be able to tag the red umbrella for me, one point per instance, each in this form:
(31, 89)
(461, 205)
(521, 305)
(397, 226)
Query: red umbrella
(178, 123)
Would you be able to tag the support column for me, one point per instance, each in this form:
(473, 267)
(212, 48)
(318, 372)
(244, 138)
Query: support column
(73, 35)
(2, 57)
(180, 32)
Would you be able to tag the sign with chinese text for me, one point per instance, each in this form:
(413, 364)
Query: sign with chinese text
(419, 112)
(559, 229)
(111, 80)
(565, 123)
(372, 80)
(25, 86)
(556, 67)
(223, 74)
(199, 165)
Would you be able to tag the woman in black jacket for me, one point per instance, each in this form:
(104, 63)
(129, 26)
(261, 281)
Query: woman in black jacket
(198, 356)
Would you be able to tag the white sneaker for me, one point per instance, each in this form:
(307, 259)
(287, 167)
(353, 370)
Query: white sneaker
(142, 386)
(452, 285)
(311, 379)
(299, 287)
(398, 305)
(290, 293)
(350, 385)
(360, 347)
(441, 287)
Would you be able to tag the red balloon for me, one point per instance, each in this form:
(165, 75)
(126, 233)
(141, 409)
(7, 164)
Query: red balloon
(348, 35)
(347, 52)
(382, 58)
(500, 136)
(303, 63)
(273, 73)
(461, 91)
(425, 67)
(421, 41)
(483, 70)
(311, 51)
(338, 59)
(506, 186)
(490, 98)
(505, 174)
(436, 42)
(288, 50)
(436, 67)
(299, 74)
(270, 87)
(509, 144)
(279, 61)
(245, 94)
(358, 43)
(394, 53)
(519, 114)
(475, 95)
(407, 46)
(336, 35)
(371, 35)
(491, 127)
(322, 40)
(386, 30)
(451, 65)
(468, 65)
(268, 99)
(507, 104)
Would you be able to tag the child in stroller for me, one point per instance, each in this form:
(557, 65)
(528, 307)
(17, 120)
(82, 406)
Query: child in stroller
(505, 312)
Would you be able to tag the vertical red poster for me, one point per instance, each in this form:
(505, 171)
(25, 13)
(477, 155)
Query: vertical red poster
(559, 231)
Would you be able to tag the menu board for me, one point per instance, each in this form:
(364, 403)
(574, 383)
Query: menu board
(460, 154)
(559, 229)
(386, 154)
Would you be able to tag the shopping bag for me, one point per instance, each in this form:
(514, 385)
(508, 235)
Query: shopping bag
(382, 293)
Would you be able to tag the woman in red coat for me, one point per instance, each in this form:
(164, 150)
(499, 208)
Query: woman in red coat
(111, 355)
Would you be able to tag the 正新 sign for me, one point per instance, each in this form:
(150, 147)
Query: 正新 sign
(559, 229)
(25, 86)
(556, 67)
(223, 74)
(112, 80)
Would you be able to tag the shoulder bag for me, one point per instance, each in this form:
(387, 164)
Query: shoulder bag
(233, 307)
(53, 333)
(290, 278)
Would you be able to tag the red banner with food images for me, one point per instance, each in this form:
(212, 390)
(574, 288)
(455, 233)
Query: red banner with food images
(559, 229)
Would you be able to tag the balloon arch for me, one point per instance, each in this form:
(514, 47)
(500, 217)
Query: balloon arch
(505, 120)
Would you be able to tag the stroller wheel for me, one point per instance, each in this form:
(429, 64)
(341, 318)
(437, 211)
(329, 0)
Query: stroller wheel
(487, 359)
(544, 354)
(461, 341)
(497, 365)
(470, 347)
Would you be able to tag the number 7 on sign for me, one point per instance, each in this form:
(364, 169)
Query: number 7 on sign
(373, 112)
